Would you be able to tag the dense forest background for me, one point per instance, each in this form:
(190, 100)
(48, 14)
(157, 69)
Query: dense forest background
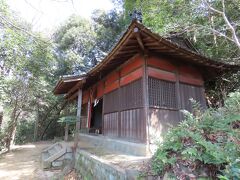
(30, 63)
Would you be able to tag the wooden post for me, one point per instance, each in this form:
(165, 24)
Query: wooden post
(178, 93)
(78, 122)
(103, 105)
(90, 109)
(88, 114)
(119, 105)
(146, 101)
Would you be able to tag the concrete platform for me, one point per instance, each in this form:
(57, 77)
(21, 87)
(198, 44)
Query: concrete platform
(117, 145)
(103, 158)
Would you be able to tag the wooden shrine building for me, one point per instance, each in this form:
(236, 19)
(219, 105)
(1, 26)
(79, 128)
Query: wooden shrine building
(137, 91)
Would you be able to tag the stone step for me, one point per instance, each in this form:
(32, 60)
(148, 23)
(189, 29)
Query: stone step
(56, 155)
(52, 151)
(45, 155)
(57, 164)
(68, 156)
(58, 147)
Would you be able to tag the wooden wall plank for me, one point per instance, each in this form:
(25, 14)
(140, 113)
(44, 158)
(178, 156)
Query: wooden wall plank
(190, 71)
(100, 89)
(191, 80)
(112, 77)
(110, 87)
(190, 75)
(161, 74)
(138, 73)
(111, 124)
(161, 64)
(133, 125)
(161, 120)
(131, 66)
(85, 97)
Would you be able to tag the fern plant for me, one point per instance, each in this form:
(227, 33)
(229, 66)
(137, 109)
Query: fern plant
(204, 144)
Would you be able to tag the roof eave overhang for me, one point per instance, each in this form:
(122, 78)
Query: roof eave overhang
(170, 47)
(65, 84)
(152, 42)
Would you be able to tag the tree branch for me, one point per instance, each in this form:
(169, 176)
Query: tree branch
(20, 29)
(235, 39)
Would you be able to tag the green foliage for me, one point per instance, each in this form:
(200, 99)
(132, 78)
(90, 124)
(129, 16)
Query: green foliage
(2, 142)
(232, 104)
(81, 44)
(208, 141)
(31, 64)
(25, 132)
(68, 119)
(232, 171)
(26, 76)
(192, 19)
(73, 40)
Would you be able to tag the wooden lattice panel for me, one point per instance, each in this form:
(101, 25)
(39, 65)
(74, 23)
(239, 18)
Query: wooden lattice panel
(162, 93)
(84, 113)
(111, 101)
(131, 95)
(191, 92)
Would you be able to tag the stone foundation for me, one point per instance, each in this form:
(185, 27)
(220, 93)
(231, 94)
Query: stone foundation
(93, 167)
(136, 149)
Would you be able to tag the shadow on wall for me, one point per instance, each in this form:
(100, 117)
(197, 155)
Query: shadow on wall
(160, 121)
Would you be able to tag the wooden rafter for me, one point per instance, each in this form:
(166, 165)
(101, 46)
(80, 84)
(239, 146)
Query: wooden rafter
(75, 88)
(139, 40)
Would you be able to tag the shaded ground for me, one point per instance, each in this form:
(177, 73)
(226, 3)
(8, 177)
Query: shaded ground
(23, 162)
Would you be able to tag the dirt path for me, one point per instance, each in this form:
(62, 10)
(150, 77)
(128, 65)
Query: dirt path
(23, 163)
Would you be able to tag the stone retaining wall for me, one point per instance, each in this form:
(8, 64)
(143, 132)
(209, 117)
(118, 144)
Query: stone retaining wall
(92, 167)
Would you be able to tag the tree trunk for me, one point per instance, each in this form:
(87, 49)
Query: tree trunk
(12, 127)
(13, 133)
(1, 117)
(46, 128)
(66, 132)
(36, 125)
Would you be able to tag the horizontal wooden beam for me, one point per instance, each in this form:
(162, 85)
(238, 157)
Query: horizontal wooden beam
(166, 50)
(158, 48)
(152, 44)
(74, 88)
(73, 96)
(128, 48)
(127, 52)
(147, 39)
(161, 74)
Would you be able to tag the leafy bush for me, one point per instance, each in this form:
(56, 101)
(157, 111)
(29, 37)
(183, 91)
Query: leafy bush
(25, 132)
(3, 137)
(68, 119)
(206, 144)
